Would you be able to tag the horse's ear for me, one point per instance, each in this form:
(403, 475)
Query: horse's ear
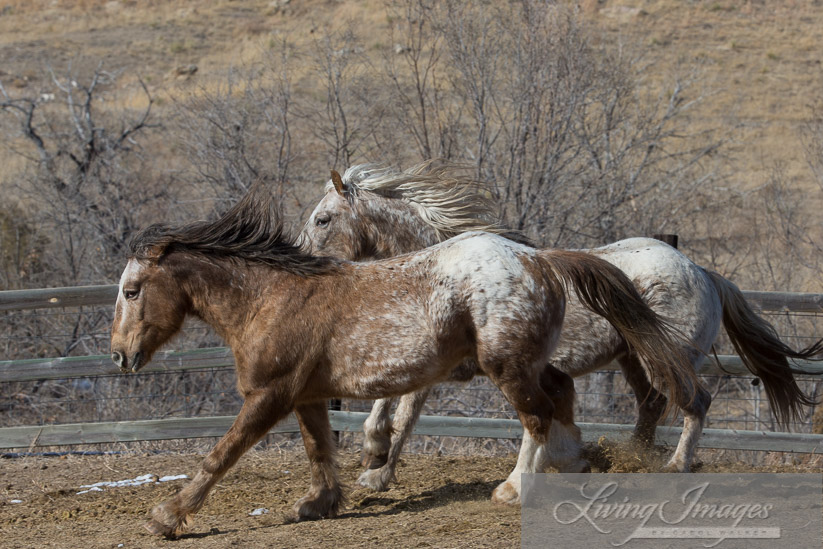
(156, 252)
(338, 183)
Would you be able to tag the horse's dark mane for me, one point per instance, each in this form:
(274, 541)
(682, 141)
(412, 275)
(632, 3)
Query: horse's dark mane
(251, 230)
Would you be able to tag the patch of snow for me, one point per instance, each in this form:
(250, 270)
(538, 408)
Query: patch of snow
(258, 512)
(172, 477)
(142, 479)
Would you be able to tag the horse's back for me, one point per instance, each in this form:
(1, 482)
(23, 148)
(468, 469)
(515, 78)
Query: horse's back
(504, 285)
(672, 284)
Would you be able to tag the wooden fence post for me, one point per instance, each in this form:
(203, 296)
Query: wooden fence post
(670, 239)
(335, 404)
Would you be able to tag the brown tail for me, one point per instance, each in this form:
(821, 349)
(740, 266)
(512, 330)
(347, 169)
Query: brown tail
(761, 350)
(607, 291)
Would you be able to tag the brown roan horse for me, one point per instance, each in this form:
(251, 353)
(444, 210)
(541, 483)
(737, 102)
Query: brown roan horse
(304, 329)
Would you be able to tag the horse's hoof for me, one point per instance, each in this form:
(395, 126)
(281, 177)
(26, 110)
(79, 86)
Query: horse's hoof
(375, 479)
(576, 466)
(674, 468)
(157, 529)
(582, 466)
(506, 494)
(166, 522)
(318, 504)
(643, 441)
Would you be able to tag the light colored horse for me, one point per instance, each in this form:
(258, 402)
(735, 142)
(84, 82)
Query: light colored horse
(304, 329)
(375, 212)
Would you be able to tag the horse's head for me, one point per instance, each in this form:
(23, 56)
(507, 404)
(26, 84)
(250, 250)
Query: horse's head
(367, 216)
(150, 309)
(334, 229)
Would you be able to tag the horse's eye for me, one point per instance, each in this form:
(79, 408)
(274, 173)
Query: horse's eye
(322, 220)
(130, 294)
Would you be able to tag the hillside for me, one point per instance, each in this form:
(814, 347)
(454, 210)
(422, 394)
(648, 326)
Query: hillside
(760, 61)
(754, 65)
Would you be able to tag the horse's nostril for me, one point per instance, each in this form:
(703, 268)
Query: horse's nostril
(117, 358)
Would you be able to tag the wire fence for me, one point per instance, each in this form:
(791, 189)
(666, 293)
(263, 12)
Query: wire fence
(603, 397)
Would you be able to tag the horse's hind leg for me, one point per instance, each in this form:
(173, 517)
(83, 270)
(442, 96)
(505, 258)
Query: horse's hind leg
(325, 494)
(404, 419)
(377, 431)
(531, 459)
(564, 446)
(535, 409)
(261, 410)
(694, 416)
(650, 402)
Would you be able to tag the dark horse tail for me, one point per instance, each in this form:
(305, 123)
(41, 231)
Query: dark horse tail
(608, 292)
(761, 350)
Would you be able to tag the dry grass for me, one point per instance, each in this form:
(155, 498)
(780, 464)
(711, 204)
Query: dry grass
(760, 60)
(757, 62)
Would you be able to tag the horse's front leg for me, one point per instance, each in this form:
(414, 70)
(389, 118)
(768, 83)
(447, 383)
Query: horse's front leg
(407, 413)
(326, 494)
(261, 410)
(377, 431)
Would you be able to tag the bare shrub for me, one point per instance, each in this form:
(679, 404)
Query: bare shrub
(421, 100)
(346, 109)
(240, 133)
(580, 152)
(88, 186)
(89, 180)
(21, 247)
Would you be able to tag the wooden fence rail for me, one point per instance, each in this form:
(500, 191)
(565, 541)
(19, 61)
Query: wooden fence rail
(12, 300)
(219, 357)
(201, 427)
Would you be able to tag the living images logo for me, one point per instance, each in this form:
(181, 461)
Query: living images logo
(660, 510)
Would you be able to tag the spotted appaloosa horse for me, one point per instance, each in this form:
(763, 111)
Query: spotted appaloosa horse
(304, 329)
(375, 212)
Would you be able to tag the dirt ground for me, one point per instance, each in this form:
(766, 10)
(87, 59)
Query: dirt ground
(438, 501)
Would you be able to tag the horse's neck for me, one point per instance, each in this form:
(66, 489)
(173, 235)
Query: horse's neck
(397, 228)
(224, 295)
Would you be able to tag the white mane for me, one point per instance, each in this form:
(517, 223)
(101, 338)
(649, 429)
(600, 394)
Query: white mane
(447, 201)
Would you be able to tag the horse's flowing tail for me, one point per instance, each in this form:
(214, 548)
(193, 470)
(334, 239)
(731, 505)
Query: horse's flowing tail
(608, 292)
(761, 350)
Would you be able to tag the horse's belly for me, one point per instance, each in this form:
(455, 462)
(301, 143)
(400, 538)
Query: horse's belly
(395, 366)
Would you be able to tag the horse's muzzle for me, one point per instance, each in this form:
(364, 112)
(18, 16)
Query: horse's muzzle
(124, 364)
